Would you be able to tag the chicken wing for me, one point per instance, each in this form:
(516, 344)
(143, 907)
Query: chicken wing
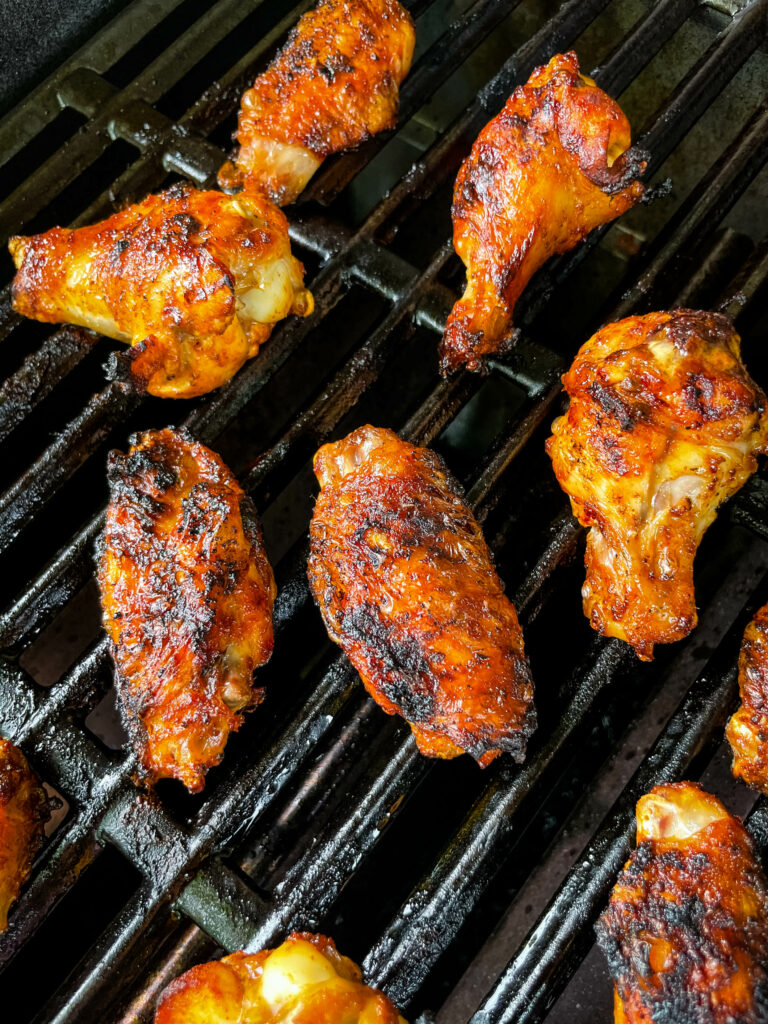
(747, 731)
(686, 929)
(304, 981)
(552, 166)
(24, 810)
(333, 85)
(187, 595)
(406, 585)
(194, 281)
(663, 426)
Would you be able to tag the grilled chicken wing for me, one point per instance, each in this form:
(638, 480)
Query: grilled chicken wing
(406, 585)
(333, 85)
(193, 280)
(686, 928)
(187, 596)
(304, 981)
(747, 731)
(663, 426)
(24, 811)
(552, 166)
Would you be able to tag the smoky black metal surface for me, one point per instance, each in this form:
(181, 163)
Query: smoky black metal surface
(329, 775)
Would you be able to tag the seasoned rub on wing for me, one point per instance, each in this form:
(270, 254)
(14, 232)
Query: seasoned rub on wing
(333, 85)
(24, 810)
(686, 928)
(406, 585)
(194, 281)
(552, 166)
(304, 981)
(664, 425)
(187, 595)
(747, 731)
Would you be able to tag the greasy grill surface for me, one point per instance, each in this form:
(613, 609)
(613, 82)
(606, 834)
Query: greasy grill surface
(322, 813)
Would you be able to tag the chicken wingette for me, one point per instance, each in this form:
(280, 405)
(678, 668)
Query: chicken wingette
(24, 810)
(664, 425)
(187, 595)
(406, 585)
(553, 165)
(194, 281)
(333, 85)
(686, 928)
(304, 981)
(747, 731)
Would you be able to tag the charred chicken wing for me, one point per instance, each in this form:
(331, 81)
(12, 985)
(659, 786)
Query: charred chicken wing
(686, 929)
(747, 730)
(187, 596)
(333, 85)
(24, 811)
(663, 426)
(406, 585)
(304, 981)
(552, 166)
(194, 281)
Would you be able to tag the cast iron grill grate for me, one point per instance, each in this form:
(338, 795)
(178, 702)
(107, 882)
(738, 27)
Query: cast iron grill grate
(321, 800)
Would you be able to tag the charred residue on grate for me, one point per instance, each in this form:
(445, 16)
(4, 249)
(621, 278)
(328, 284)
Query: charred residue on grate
(272, 843)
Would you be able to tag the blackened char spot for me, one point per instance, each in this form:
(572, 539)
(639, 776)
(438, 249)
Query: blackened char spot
(408, 680)
(613, 404)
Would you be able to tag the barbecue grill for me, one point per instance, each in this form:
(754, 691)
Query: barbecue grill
(464, 893)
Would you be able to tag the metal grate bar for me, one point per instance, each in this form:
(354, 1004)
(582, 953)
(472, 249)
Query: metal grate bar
(560, 938)
(405, 954)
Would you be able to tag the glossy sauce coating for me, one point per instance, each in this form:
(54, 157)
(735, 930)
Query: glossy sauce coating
(194, 281)
(333, 85)
(406, 585)
(686, 928)
(24, 811)
(553, 165)
(304, 981)
(664, 425)
(747, 731)
(187, 595)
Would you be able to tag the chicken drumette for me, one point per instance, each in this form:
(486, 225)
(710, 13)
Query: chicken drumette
(747, 731)
(333, 85)
(406, 585)
(552, 166)
(686, 928)
(663, 426)
(304, 981)
(194, 281)
(24, 810)
(187, 595)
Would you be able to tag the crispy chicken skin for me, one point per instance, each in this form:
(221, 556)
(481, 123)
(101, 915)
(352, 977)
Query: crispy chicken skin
(406, 585)
(333, 85)
(187, 595)
(194, 281)
(663, 426)
(24, 810)
(686, 928)
(304, 981)
(553, 165)
(747, 731)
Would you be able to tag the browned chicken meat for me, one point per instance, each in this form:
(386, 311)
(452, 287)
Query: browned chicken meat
(686, 928)
(663, 426)
(24, 810)
(187, 595)
(194, 281)
(747, 731)
(304, 981)
(406, 585)
(333, 85)
(552, 166)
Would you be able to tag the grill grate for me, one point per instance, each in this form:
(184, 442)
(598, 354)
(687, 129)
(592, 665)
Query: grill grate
(320, 797)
